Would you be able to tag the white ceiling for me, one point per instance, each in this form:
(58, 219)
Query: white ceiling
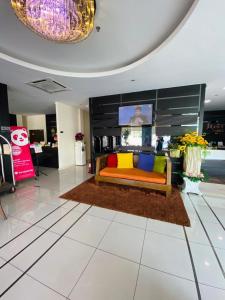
(160, 43)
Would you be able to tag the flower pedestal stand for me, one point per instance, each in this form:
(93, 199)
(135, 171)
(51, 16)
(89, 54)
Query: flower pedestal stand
(191, 186)
(80, 154)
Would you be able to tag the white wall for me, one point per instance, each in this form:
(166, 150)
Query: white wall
(33, 122)
(67, 117)
(19, 120)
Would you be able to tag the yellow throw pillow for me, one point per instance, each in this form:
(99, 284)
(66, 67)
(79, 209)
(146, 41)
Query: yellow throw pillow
(125, 160)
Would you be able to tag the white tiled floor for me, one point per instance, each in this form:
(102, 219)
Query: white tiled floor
(107, 254)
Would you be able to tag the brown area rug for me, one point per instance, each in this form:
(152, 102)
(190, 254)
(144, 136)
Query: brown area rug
(141, 202)
(216, 180)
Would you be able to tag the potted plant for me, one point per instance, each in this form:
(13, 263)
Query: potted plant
(125, 135)
(192, 145)
(174, 150)
(79, 137)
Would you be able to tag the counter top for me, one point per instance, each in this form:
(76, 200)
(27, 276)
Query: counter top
(214, 154)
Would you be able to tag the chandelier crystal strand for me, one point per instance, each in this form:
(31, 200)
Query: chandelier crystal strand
(57, 20)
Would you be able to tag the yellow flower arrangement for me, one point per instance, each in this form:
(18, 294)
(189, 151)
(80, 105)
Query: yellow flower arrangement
(192, 139)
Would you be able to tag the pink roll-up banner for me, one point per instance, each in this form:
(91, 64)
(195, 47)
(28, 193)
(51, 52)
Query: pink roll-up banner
(23, 165)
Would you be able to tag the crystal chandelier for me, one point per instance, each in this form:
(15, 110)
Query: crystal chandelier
(57, 20)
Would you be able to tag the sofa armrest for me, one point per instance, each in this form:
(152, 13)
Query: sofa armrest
(101, 163)
(168, 171)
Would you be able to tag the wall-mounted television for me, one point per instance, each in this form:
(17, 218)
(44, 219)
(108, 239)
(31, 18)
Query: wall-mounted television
(136, 115)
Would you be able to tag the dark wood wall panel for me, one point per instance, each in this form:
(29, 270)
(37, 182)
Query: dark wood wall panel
(181, 102)
(107, 131)
(176, 120)
(4, 106)
(178, 111)
(174, 130)
(188, 90)
(173, 110)
(109, 122)
(51, 127)
(137, 96)
(13, 120)
(5, 128)
(101, 109)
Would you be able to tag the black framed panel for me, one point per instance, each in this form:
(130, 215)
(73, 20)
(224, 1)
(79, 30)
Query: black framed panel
(174, 130)
(173, 109)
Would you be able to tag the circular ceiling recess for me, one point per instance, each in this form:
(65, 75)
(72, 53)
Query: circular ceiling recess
(130, 30)
(64, 21)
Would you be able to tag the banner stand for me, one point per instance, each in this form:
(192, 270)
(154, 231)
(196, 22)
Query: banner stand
(23, 165)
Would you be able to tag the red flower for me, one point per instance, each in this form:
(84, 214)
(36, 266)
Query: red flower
(79, 136)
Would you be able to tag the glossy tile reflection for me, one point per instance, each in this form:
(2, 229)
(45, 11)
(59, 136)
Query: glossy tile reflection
(96, 253)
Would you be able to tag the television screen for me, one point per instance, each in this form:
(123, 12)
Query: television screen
(136, 115)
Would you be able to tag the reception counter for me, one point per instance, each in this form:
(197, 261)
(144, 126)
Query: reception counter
(214, 165)
(214, 154)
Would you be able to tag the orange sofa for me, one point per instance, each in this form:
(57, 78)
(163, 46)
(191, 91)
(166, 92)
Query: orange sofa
(134, 177)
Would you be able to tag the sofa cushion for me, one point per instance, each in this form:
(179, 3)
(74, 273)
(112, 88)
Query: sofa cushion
(159, 164)
(134, 174)
(112, 161)
(146, 162)
(125, 160)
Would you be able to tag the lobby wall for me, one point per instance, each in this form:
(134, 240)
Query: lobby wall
(176, 110)
(33, 122)
(67, 125)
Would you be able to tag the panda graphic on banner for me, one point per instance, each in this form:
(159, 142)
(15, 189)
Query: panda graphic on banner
(23, 166)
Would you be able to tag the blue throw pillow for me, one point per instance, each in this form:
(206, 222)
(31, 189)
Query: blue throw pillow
(146, 162)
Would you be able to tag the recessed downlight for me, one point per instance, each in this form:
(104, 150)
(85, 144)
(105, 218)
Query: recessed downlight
(207, 101)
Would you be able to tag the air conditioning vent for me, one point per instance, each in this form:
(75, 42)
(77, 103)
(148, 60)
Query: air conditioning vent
(48, 85)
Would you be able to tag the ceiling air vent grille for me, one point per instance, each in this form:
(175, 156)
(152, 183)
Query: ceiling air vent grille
(48, 85)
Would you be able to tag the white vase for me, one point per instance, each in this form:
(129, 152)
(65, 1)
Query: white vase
(192, 161)
(191, 187)
(174, 153)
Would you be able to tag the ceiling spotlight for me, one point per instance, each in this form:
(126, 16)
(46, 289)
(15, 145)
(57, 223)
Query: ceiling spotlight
(207, 101)
(57, 20)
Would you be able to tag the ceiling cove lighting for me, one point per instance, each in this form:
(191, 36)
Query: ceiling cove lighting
(207, 101)
(65, 21)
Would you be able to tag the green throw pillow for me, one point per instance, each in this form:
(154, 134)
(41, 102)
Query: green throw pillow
(159, 164)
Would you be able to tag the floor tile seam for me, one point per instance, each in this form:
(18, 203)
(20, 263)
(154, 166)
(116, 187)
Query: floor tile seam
(37, 280)
(133, 226)
(40, 257)
(212, 286)
(91, 214)
(168, 273)
(139, 267)
(192, 265)
(218, 219)
(96, 249)
(207, 245)
(214, 196)
(211, 244)
(167, 235)
(38, 237)
(178, 238)
(32, 225)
